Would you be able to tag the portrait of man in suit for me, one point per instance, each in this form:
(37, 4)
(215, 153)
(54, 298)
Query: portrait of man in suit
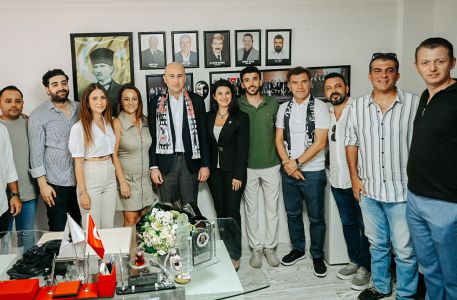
(153, 57)
(217, 50)
(187, 56)
(102, 66)
(248, 54)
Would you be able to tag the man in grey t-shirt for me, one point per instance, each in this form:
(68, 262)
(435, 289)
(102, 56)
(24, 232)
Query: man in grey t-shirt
(11, 105)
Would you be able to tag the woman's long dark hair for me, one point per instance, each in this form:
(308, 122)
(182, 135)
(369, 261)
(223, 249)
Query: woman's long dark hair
(233, 107)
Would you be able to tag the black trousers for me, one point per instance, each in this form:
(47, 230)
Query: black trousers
(227, 205)
(65, 202)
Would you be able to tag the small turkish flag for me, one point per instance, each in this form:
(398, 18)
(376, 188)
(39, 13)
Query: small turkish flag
(93, 239)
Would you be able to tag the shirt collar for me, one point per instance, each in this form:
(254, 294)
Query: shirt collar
(399, 98)
(332, 109)
(52, 106)
(304, 102)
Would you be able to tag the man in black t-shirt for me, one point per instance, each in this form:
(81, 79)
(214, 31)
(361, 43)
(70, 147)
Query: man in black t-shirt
(432, 186)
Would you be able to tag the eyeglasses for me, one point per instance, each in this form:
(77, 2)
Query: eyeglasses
(380, 54)
(332, 137)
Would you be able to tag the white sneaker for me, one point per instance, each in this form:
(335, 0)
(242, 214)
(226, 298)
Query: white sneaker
(348, 271)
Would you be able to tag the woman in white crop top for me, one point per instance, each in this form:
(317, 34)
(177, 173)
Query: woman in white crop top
(91, 145)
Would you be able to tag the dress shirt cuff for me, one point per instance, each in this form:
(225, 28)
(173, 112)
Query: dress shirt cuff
(153, 167)
(38, 171)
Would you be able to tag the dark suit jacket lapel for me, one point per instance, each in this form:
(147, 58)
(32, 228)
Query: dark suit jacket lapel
(225, 129)
(211, 121)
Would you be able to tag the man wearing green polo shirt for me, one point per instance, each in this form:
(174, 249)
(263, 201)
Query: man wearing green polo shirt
(263, 168)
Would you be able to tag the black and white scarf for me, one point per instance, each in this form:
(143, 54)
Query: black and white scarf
(164, 143)
(310, 125)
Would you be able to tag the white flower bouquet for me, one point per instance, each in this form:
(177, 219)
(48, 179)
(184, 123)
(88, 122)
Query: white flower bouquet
(157, 230)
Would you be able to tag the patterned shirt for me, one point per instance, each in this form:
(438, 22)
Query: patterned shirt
(383, 142)
(49, 130)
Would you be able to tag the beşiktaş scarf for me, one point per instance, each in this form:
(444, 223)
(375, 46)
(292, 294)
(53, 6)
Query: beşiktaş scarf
(164, 143)
(310, 125)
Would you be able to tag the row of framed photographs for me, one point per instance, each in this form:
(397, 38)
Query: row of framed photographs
(185, 48)
(107, 58)
(274, 81)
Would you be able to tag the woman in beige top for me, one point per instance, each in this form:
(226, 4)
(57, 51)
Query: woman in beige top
(131, 157)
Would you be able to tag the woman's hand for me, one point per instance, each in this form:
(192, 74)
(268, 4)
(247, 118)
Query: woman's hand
(125, 189)
(84, 200)
(236, 184)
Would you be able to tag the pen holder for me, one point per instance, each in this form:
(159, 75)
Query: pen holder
(107, 284)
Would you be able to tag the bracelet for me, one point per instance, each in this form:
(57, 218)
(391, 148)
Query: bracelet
(299, 165)
(15, 194)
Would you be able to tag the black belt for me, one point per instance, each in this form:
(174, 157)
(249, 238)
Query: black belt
(179, 153)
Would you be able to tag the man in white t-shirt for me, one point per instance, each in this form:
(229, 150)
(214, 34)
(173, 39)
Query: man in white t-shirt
(301, 136)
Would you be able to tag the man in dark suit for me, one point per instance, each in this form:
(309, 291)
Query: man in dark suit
(217, 56)
(186, 57)
(179, 154)
(102, 64)
(152, 57)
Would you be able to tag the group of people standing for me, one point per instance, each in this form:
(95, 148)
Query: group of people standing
(390, 169)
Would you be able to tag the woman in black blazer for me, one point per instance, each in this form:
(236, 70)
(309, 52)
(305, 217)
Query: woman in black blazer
(228, 135)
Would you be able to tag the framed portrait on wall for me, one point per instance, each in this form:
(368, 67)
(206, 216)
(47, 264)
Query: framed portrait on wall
(318, 74)
(248, 48)
(233, 77)
(275, 84)
(153, 54)
(185, 48)
(105, 58)
(279, 47)
(156, 86)
(217, 49)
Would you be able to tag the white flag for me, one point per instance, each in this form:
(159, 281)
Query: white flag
(73, 240)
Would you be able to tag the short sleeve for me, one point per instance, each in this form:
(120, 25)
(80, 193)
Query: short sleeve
(351, 138)
(76, 141)
(322, 115)
(280, 115)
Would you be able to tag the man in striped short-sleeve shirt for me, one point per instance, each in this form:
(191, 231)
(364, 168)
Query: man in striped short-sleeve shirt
(377, 142)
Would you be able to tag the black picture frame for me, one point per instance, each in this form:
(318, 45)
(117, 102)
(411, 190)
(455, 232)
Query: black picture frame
(194, 55)
(151, 59)
(222, 38)
(274, 57)
(116, 49)
(156, 86)
(318, 74)
(232, 76)
(254, 58)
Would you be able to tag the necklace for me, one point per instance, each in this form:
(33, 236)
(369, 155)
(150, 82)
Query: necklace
(222, 116)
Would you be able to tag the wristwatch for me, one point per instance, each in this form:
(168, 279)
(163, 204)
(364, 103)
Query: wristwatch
(299, 165)
(14, 194)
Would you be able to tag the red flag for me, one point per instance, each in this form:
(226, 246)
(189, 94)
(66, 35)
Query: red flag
(93, 239)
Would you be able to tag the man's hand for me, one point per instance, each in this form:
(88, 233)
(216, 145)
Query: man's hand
(236, 184)
(357, 188)
(15, 206)
(290, 166)
(203, 174)
(48, 194)
(84, 200)
(156, 176)
(297, 174)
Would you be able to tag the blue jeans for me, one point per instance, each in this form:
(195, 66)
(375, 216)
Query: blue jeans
(312, 191)
(25, 222)
(385, 225)
(353, 228)
(433, 226)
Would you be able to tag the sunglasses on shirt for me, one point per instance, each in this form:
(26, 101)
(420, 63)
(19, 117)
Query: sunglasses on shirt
(332, 137)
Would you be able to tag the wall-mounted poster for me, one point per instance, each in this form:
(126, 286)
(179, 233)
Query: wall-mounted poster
(153, 54)
(275, 84)
(105, 58)
(248, 48)
(156, 86)
(233, 77)
(217, 49)
(185, 48)
(318, 74)
(279, 47)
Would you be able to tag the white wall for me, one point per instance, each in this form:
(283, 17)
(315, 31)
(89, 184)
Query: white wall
(35, 34)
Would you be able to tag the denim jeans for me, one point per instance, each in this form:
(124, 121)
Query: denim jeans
(312, 191)
(25, 222)
(353, 228)
(433, 226)
(385, 225)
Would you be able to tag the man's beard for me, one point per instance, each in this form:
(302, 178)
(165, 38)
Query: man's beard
(278, 49)
(254, 93)
(338, 101)
(56, 98)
